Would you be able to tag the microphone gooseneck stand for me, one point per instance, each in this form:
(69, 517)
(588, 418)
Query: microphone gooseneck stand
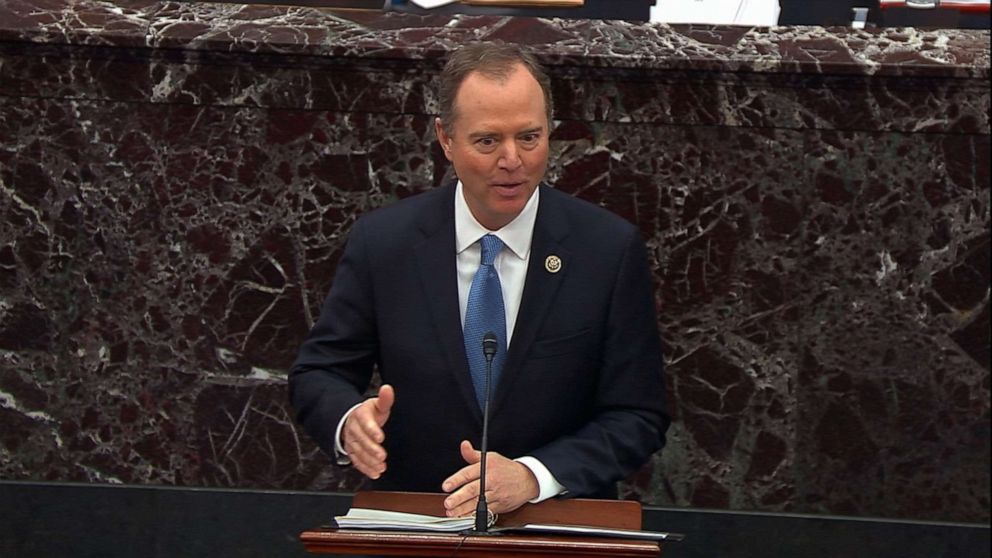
(489, 347)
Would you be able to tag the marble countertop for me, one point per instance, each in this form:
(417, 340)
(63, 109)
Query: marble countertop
(303, 31)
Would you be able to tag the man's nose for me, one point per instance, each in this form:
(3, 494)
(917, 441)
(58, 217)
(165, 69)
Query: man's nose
(509, 158)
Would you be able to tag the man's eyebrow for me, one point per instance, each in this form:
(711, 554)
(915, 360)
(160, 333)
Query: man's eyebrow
(482, 134)
(488, 133)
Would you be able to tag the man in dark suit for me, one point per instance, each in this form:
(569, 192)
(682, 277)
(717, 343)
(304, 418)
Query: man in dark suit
(577, 393)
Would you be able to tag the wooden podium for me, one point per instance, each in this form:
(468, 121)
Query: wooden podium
(594, 513)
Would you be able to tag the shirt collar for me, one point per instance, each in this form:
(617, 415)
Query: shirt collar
(516, 235)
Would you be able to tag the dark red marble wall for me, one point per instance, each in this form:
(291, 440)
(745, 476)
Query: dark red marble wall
(177, 180)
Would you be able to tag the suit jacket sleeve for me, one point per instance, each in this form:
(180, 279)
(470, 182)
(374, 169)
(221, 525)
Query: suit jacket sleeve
(334, 365)
(628, 422)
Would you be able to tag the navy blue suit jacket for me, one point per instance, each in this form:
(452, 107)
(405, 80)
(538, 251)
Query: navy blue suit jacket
(581, 389)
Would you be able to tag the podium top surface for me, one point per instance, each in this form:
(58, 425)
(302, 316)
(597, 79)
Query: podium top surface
(594, 513)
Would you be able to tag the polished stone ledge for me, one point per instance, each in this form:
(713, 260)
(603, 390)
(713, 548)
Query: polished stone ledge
(306, 31)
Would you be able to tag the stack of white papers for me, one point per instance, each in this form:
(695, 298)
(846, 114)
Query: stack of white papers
(364, 518)
(717, 12)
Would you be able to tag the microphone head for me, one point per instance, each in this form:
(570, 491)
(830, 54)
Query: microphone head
(489, 344)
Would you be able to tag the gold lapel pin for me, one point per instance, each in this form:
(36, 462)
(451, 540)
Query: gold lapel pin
(552, 264)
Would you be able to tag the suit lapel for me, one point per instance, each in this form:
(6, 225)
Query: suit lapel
(540, 286)
(436, 259)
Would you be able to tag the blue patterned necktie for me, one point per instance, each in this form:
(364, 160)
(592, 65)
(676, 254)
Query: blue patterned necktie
(485, 312)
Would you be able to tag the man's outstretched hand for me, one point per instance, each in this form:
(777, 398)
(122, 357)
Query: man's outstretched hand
(362, 435)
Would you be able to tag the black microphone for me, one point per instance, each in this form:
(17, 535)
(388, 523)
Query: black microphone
(489, 347)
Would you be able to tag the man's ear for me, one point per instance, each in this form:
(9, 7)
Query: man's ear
(442, 137)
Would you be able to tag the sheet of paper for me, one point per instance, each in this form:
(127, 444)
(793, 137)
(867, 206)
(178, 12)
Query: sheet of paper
(559, 529)
(717, 12)
(428, 4)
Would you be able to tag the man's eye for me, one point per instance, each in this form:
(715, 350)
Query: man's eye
(486, 142)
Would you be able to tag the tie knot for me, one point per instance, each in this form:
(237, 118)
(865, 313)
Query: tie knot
(491, 247)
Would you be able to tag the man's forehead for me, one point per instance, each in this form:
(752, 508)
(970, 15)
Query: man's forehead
(477, 78)
(493, 76)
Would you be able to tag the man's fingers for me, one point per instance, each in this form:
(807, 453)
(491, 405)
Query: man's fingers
(369, 424)
(363, 435)
(509, 484)
(464, 484)
(466, 474)
(370, 463)
(463, 510)
(366, 460)
(462, 477)
(367, 428)
(371, 471)
(463, 500)
(358, 445)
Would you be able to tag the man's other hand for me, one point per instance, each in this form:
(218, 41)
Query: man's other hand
(363, 436)
(509, 484)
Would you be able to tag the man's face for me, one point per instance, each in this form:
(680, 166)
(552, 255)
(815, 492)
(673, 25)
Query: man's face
(498, 143)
